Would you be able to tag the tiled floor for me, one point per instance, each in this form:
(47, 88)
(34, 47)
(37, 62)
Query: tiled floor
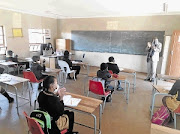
(118, 118)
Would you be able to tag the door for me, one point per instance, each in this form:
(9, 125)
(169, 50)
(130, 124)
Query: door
(173, 66)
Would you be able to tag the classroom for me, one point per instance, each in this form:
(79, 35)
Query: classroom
(44, 32)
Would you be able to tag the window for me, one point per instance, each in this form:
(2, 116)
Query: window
(2, 41)
(36, 38)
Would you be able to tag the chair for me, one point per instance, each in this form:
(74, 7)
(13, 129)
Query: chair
(97, 88)
(65, 69)
(32, 78)
(176, 112)
(34, 126)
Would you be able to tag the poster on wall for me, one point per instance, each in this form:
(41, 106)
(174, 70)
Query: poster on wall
(47, 33)
(17, 32)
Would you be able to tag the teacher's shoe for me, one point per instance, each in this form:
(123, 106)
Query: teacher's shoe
(147, 79)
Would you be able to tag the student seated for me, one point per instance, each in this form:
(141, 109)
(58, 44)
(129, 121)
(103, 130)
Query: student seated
(77, 68)
(3, 92)
(172, 102)
(115, 69)
(52, 102)
(37, 69)
(14, 58)
(105, 75)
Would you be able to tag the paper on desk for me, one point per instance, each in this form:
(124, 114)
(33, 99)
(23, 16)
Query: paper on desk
(5, 79)
(74, 62)
(121, 68)
(70, 101)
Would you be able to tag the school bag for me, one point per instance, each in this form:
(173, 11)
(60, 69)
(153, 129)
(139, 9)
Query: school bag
(43, 118)
(161, 116)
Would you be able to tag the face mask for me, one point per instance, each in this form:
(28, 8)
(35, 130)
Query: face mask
(38, 62)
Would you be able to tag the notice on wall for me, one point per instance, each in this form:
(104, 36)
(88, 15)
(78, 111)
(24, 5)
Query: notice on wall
(47, 33)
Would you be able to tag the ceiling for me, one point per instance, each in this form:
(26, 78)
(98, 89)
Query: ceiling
(92, 8)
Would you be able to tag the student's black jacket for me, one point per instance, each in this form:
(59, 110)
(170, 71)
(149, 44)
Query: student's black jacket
(176, 88)
(51, 103)
(66, 58)
(37, 69)
(113, 67)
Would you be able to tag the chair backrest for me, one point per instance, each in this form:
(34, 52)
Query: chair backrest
(96, 87)
(30, 75)
(63, 65)
(33, 125)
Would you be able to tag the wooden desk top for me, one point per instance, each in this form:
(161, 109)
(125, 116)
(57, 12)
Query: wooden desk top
(86, 104)
(120, 77)
(79, 63)
(167, 77)
(162, 89)
(157, 129)
(50, 70)
(8, 63)
(13, 80)
(126, 70)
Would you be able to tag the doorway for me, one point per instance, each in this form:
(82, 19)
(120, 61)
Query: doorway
(173, 66)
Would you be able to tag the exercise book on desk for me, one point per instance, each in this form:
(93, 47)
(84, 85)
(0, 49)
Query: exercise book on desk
(70, 101)
(5, 78)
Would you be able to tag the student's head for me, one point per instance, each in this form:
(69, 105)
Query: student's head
(36, 58)
(66, 53)
(50, 84)
(155, 40)
(111, 59)
(10, 53)
(103, 66)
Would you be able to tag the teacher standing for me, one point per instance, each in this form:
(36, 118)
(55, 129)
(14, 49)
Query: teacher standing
(153, 49)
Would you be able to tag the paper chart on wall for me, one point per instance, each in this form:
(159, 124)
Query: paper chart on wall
(70, 101)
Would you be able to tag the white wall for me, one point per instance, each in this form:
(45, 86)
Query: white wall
(136, 62)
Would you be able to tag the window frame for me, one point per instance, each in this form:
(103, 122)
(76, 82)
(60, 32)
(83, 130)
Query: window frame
(35, 46)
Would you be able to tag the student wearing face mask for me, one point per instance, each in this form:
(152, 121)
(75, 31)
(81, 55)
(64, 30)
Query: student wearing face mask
(153, 49)
(37, 69)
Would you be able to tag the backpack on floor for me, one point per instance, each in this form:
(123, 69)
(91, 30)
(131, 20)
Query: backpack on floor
(161, 116)
(43, 118)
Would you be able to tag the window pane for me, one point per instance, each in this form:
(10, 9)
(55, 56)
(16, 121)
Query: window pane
(1, 40)
(1, 31)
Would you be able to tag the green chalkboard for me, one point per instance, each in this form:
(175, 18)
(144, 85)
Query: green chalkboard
(123, 42)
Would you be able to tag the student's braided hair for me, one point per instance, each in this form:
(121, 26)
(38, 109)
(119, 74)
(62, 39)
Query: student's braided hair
(47, 82)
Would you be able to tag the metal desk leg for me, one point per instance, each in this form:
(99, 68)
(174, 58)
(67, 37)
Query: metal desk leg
(153, 92)
(100, 116)
(125, 92)
(85, 79)
(175, 123)
(127, 97)
(17, 106)
(134, 88)
(29, 94)
(94, 123)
